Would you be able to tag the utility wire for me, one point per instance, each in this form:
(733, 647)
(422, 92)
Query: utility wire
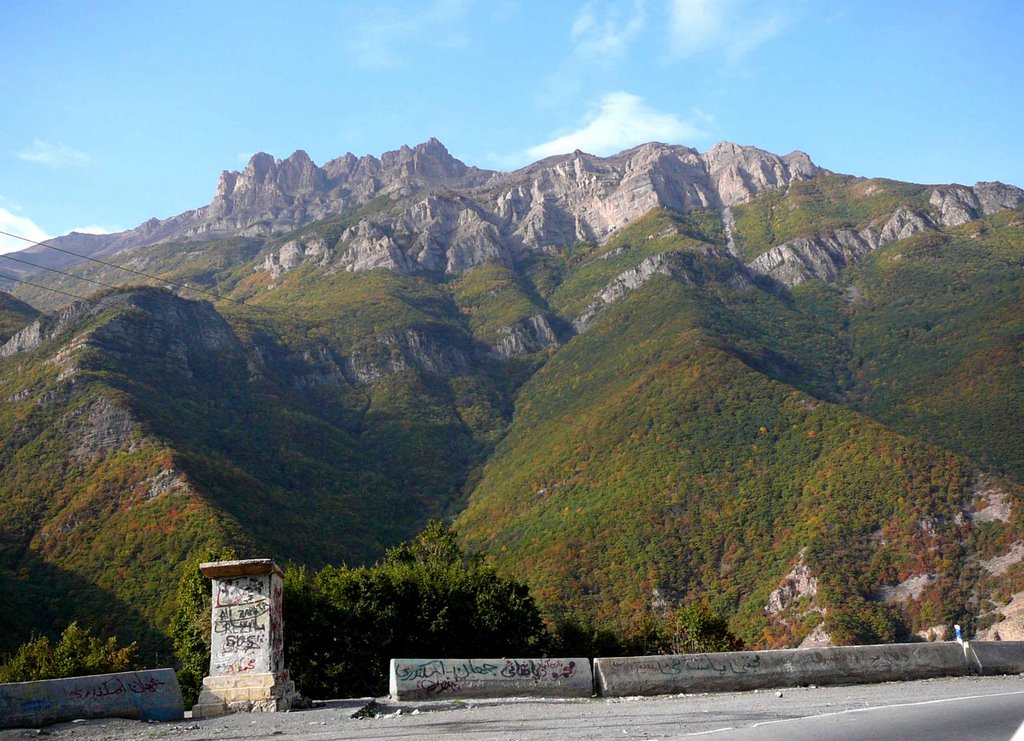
(181, 286)
(45, 288)
(61, 272)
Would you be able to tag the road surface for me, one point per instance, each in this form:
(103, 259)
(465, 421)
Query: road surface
(953, 708)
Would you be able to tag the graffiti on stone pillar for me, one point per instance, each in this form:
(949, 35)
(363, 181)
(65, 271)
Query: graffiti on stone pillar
(241, 624)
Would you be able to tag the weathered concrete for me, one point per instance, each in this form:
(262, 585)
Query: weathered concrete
(995, 657)
(247, 671)
(450, 679)
(152, 694)
(747, 670)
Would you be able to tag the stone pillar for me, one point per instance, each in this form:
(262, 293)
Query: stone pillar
(247, 670)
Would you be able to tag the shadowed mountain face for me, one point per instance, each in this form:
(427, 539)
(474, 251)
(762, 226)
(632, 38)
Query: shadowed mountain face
(14, 315)
(636, 381)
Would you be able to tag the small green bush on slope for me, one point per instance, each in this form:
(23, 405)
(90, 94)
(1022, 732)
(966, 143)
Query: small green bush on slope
(77, 653)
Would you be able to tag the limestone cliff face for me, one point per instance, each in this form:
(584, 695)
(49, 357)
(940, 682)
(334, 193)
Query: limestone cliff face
(958, 204)
(678, 265)
(561, 201)
(823, 258)
(437, 215)
(741, 172)
(447, 217)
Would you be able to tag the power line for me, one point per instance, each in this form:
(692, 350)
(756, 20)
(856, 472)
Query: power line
(45, 288)
(181, 286)
(61, 272)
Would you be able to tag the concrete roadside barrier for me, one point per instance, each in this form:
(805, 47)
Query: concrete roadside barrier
(995, 657)
(747, 670)
(456, 679)
(151, 694)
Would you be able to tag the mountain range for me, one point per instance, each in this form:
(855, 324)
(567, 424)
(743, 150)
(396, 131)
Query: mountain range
(634, 381)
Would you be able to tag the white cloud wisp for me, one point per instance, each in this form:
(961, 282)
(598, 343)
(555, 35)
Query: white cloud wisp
(54, 155)
(23, 227)
(736, 28)
(621, 120)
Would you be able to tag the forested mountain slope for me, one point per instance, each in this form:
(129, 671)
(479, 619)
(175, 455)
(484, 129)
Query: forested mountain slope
(637, 381)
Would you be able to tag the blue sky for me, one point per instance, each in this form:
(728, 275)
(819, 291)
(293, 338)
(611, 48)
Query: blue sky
(117, 112)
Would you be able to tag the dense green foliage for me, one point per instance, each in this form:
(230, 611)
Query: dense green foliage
(77, 653)
(425, 599)
(190, 626)
(673, 463)
(819, 206)
(343, 625)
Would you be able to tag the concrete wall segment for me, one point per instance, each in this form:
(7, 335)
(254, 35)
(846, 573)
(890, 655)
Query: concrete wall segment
(152, 694)
(455, 679)
(746, 670)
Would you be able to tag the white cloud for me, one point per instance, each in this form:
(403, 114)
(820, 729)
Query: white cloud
(96, 229)
(735, 28)
(694, 25)
(621, 120)
(23, 227)
(606, 32)
(599, 38)
(378, 41)
(54, 155)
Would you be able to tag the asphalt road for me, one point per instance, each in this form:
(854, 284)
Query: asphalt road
(955, 708)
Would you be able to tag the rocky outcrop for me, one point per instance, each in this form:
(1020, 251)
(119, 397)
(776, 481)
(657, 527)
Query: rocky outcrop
(425, 348)
(100, 429)
(824, 258)
(739, 173)
(996, 196)
(167, 481)
(292, 254)
(442, 233)
(804, 259)
(991, 500)
(525, 337)
(799, 582)
(909, 589)
(955, 205)
(998, 565)
(958, 204)
(558, 202)
(1009, 622)
(679, 265)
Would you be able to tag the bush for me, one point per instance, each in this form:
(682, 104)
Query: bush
(190, 627)
(77, 653)
(426, 599)
(695, 629)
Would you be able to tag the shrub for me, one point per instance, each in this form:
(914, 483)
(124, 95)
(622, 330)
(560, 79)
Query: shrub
(425, 599)
(77, 653)
(190, 627)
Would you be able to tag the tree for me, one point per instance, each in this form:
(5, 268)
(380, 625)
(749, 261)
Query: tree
(425, 599)
(77, 653)
(190, 626)
(695, 629)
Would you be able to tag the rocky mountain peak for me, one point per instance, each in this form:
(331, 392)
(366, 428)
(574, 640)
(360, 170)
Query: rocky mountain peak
(431, 159)
(739, 172)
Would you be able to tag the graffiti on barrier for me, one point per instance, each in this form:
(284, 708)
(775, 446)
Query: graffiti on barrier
(438, 676)
(745, 664)
(116, 686)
